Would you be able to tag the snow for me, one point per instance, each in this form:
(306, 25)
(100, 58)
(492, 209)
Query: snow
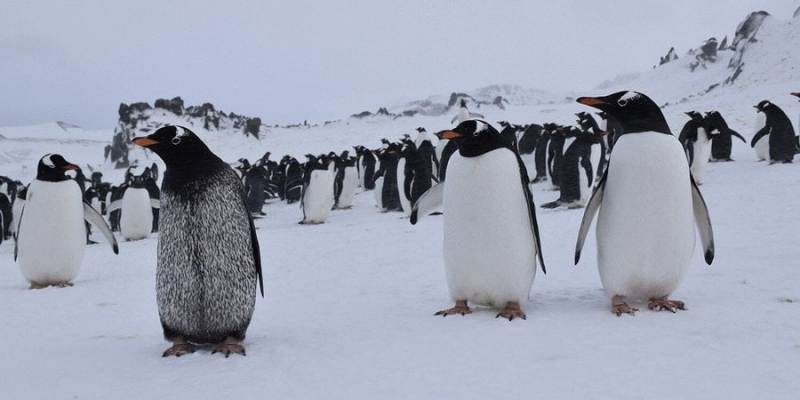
(349, 304)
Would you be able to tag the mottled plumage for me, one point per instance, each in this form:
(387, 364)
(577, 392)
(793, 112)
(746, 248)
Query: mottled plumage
(208, 255)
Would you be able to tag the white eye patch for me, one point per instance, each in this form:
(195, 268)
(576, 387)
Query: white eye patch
(48, 162)
(628, 97)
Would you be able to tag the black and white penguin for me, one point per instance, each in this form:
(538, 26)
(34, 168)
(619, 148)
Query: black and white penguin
(721, 137)
(257, 188)
(781, 138)
(294, 181)
(16, 209)
(600, 155)
(347, 181)
(491, 237)
(509, 132)
(8, 192)
(427, 151)
(209, 262)
(444, 150)
(317, 200)
(138, 205)
(648, 206)
(51, 235)
(387, 195)
(579, 166)
(540, 152)
(528, 139)
(366, 167)
(559, 140)
(696, 140)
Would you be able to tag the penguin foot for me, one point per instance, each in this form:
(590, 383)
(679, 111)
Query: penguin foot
(35, 286)
(666, 304)
(461, 307)
(229, 346)
(64, 284)
(179, 347)
(619, 306)
(512, 310)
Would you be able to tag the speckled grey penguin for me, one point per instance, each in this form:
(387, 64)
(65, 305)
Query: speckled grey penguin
(208, 254)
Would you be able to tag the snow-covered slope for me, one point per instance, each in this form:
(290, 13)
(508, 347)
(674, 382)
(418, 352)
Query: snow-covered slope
(349, 304)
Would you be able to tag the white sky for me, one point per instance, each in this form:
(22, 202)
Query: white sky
(286, 61)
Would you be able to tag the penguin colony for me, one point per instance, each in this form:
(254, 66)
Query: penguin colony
(209, 269)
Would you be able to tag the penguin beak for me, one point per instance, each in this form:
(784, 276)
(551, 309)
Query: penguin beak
(450, 135)
(591, 101)
(756, 107)
(604, 133)
(70, 167)
(144, 141)
(796, 94)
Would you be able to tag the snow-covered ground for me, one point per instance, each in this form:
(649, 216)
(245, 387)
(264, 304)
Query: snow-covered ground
(349, 304)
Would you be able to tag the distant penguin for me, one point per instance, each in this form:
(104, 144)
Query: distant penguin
(559, 140)
(761, 146)
(294, 181)
(721, 137)
(405, 174)
(578, 169)
(696, 140)
(367, 161)
(782, 141)
(464, 114)
(648, 206)
(256, 188)
(491, 237)
(16, 210)
(209, 261)
(509, 132)
(317, 200)
(540, 152)
(443, 155)
(427, 152)
(7, 195)
(51, 236)
(349, 181)
(387, 194)
(528, 139)
(136, 219)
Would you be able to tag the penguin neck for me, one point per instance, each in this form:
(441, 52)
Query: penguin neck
(189, 167)
(650, 123)
(474, 148)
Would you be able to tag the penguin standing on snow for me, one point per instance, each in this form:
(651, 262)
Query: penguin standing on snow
(721, 137)
(540, 152)
(317, 200)
(208, 255)
(696, 140)
(491, 237)
(782, 141)
(578, 169)
(51, 235)
(346, 189)
(137, 205)
(648, 206)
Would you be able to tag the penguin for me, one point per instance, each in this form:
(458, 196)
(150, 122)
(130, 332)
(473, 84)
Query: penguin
(540, 152)
(7, 195)
(761, 146)
(696, 140)
(648, 205)
(509, 132)
(559, 140)
(464, 114)
(721, 137)
(51, 235)
(136, 219)
(256, 187)
(528, 139)
(317, 200)
(797, 94)
(427, 152)
(613, 127)
(447, 150)
(208, 255)
(386, 188)
(16, 210)
(366, 167)
(294, 181)
(349, 182)
(579, 164)
(782, 141)
(491, 236)
(405, 173)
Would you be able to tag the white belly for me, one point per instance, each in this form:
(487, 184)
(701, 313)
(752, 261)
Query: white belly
(136, 219)
(702, 152)
(645, 227)
(762, 145)
(52, 234)
(489, 252)
(405, 202)
(348, 187)
(318, 197)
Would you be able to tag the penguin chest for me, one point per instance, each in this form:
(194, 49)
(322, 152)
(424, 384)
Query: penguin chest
(318, 196)
(645, 226)
(136, 220)
(349, 185)
(52, 234)
(489, 250)
(702, 152)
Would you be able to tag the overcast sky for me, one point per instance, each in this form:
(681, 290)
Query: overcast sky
(285, 61)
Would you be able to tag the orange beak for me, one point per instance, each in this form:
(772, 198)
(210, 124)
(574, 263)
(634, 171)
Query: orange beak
(450, 135)
(590, 101)
(70, 167)
(144, 142)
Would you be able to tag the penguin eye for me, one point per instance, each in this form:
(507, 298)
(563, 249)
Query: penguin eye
(176, 140)
(622, 102)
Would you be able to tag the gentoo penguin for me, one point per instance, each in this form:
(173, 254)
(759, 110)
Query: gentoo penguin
(386, 189)
(443, 150)
(136, 219)
(16, 209)
(427, 151)
(578, 169)
(528, 139)
(294, 181)
(648, 205)
(509, 132)
(761, 146)
(540, 152)
(51, 235)
(696, 141)
(559, 140)
(721, 137)
(491, 237)
(7, 194)
(208, 255)
(349, 181)
(317, 200)
(782, 141)
(366, 167)
(599, 157)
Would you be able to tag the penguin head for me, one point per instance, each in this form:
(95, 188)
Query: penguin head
(463, 103)
(694, 115)
(763, 105)
(176, 145)
(53, 168)
(635, 111)
(476, 137)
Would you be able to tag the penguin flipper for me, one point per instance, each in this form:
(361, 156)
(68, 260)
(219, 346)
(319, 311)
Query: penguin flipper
(763, 131)
(256, 253)
(734, 133)
(94, 218)
(16, 232)
(454, 119)
(115, 205)
(703, 221)
(526, 190)
(429, 203)
(591, 209)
